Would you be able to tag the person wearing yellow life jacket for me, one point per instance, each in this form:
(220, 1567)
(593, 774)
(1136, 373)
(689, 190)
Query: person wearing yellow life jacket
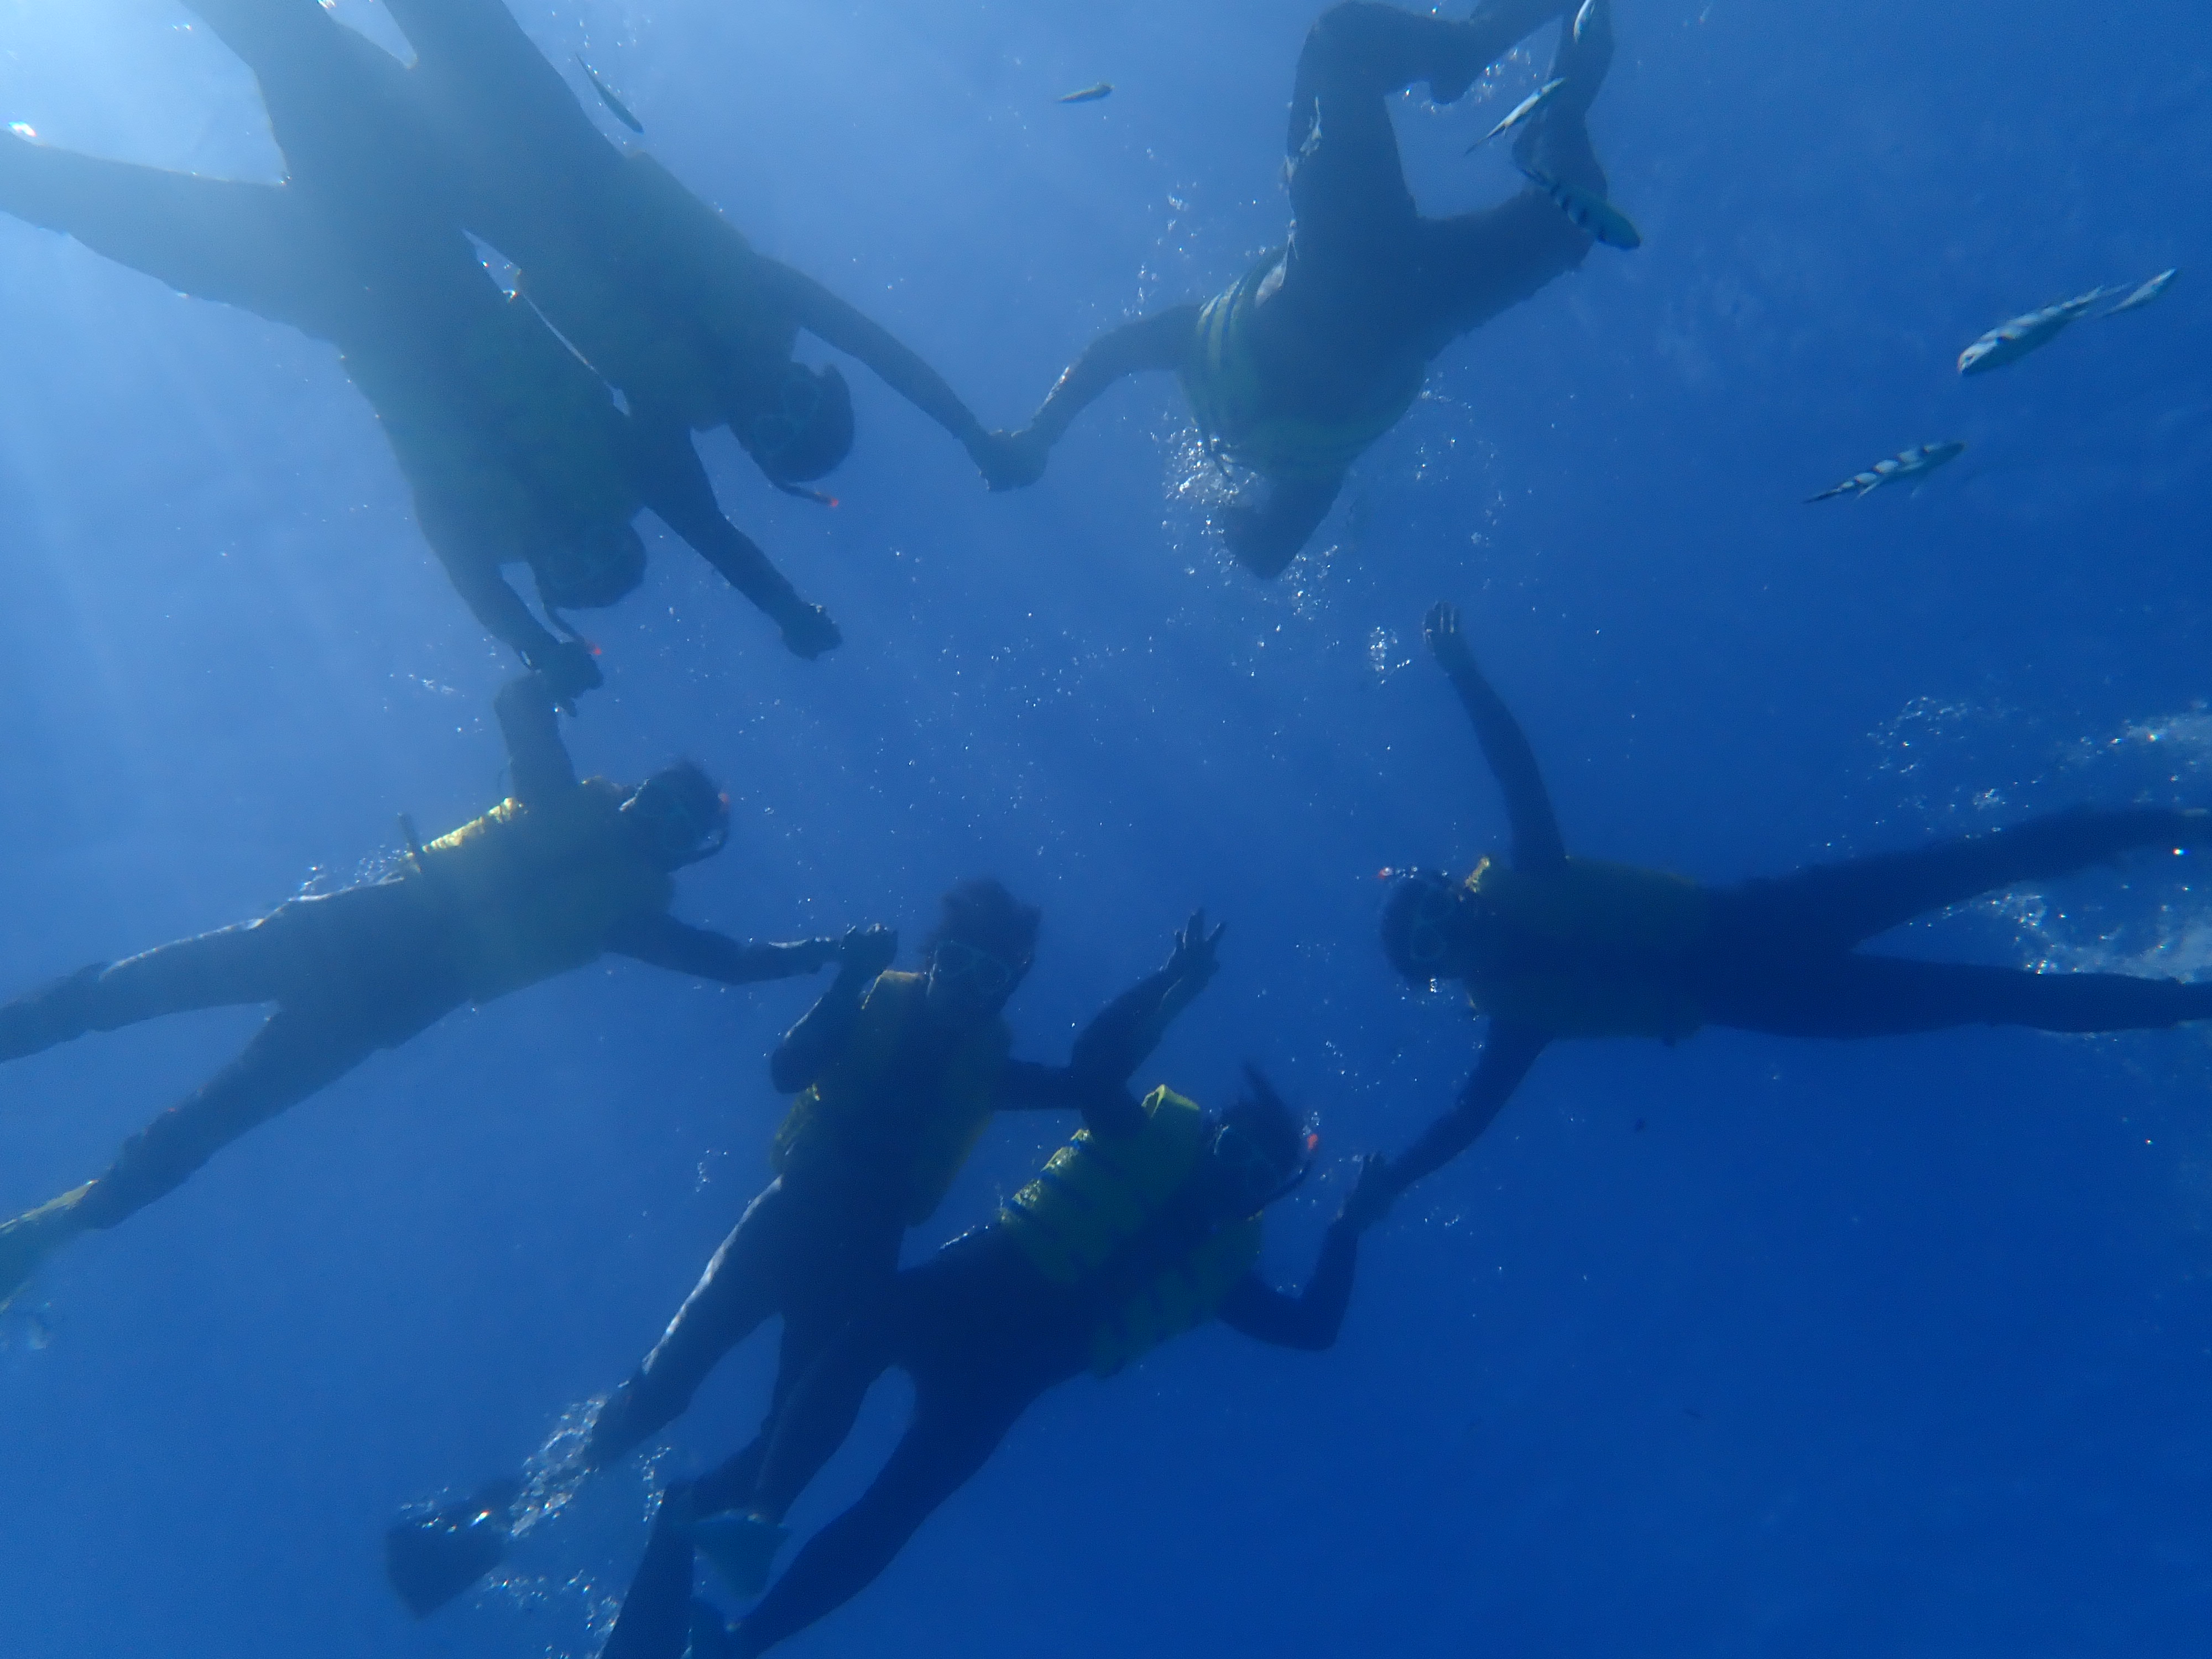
(660, 293)
(1123, 1242)
(1549, 945)
(513, 449)
(555, 876)
(1317, 350)
(897, 1076)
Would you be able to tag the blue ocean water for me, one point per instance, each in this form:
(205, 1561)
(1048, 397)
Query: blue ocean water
(1746, 1347)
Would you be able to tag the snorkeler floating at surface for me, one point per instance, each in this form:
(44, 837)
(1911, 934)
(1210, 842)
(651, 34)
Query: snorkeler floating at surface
(515, 451)
(1318, 350)
(1126, 1239)
(660, 293)
(1549, 945)
(896, 1075)
(553, 877)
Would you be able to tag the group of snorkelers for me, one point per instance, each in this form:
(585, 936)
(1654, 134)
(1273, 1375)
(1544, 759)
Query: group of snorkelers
(502, 411)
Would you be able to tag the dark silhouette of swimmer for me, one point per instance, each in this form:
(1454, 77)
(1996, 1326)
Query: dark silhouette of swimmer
(1549, 945)
(896, 1075)
(658, 292)
(1318, 349)
(557, 875)
(514, 450)
(1124, 1241)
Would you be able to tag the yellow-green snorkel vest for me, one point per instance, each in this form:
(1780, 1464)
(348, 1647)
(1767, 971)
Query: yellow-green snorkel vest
(1230, 398)
(865, 1113)
(1096, 1196)
(535, 890)
(1602, 948)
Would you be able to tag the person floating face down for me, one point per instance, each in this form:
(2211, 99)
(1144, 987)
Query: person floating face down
(1124, 1241)
(1319, 349)
(661, 293)
(896, 1075)
(1549, 945)
(555, 875)
(513, 449)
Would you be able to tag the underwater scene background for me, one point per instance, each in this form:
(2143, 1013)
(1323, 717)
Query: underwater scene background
(1746, 1347)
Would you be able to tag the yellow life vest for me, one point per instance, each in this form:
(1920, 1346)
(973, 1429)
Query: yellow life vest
(537, 889)
(1597, 948)
(1228, 395)
(875, 1109)
(1095, 1198)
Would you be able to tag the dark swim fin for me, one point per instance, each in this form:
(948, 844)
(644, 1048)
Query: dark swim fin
(710, 1633)
(435, 1551)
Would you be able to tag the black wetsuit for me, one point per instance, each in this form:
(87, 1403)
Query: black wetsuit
(355, 971)
(983, 1335)
(820, 1244)
(514, 451)
(1366, 290)
(656, 288)
(1781, 955)
(822, 1240)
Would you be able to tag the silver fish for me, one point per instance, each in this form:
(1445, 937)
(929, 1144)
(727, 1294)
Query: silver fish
(1520, 111)
(1089, 94)
(2009, 341)
(1915, 463)
(1582, 17)
(622, 112)
(1593, 215)
(2146, 292)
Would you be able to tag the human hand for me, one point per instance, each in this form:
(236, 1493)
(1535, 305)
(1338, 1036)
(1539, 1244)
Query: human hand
(568, 667)
(1440, 627)
(866, 952)
(808, 632)
(1010, 460)
(1372, 1194)
(1195, 957)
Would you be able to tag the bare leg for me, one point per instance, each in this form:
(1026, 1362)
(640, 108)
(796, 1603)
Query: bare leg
(1474, 265)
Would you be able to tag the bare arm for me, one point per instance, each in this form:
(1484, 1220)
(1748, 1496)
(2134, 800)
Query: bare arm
(833, 322)
(1161, 341)
(660, 939)
(1507, 1054)
(536, 755)
(1536, 841)
(809, 1046)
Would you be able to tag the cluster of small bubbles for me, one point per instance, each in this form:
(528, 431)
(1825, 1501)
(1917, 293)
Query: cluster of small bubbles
(1386, 652)
(556, 1468)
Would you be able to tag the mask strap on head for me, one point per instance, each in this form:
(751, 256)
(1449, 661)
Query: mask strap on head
(819, 497)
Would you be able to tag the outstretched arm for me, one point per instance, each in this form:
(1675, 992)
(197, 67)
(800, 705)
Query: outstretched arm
(675, 486)
(1119, 1039)
(1161, 341)
(536, 755)
(834, 323)
(1311, 1319)
(808, 1047)
(1536, 842)
(660, 939)
(1507, 1054)
(566, 664)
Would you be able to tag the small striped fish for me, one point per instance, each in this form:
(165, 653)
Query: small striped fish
(1593, 215)
(1915, 463)
(1520, 111)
